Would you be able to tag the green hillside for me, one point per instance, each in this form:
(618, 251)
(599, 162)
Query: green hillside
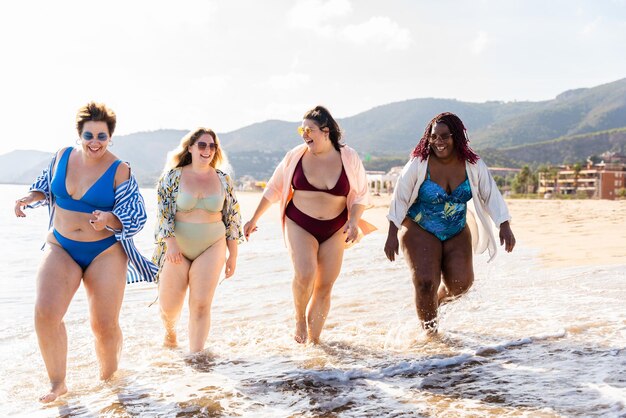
(568, 149)
(576, 124)
(394, 128)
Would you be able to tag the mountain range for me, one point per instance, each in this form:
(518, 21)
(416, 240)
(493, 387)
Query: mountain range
(567, 129)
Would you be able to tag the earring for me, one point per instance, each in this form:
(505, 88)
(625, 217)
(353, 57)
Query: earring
(110, 142)
(78, 142)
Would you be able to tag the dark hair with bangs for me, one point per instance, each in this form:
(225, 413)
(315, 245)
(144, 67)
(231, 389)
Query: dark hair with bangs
(323, 119)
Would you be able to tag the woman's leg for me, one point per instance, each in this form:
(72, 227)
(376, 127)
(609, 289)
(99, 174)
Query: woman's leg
(173, 282)
(423, 254)
(204, 276)
(58, 279)
(105, 280)
(457, 266)
(303, 248)
(329, 259)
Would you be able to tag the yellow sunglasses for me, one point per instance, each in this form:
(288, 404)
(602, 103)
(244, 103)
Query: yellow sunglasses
(306, 130)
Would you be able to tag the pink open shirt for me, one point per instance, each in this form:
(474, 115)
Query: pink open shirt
(279, 186)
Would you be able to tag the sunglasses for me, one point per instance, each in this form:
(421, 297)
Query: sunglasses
(203, 145)
(432, 138)
(88, 136)
(306, 130)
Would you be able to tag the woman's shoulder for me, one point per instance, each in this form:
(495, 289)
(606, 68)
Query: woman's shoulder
(479, 164)
(176, 171)
(62, 151)
(171, 174)
(122, 173)
(348, 150)
(351, 155)
(221, 174)
(416, 161)
(298, 149)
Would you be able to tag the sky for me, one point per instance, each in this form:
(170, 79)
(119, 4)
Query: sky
(228, 64)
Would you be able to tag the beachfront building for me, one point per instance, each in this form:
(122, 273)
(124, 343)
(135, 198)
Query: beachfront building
(249, 184)
(603, 180)
(380, 182)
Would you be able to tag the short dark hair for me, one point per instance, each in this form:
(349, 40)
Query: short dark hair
(97, 112)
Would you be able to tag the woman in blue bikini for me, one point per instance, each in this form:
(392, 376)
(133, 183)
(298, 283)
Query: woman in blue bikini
(95, 210)
(429, 207)
(198, 219)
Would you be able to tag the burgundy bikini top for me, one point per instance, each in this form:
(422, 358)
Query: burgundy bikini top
(300, 182)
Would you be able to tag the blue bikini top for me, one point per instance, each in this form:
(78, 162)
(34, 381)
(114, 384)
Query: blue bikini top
(100, 196)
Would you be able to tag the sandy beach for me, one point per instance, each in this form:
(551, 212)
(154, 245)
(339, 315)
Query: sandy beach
(566, 232)
(539, 334)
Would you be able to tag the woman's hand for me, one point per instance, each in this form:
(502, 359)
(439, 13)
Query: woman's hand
(20, 204)
(352, 231)
(506, 236)
(231, 265)
(100, 219)
(392, 245)
(173, 254)
(249, 228)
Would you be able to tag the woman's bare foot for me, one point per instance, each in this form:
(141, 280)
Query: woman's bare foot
(170, 340)
(58, 389)
(301, 332)
(431, 327)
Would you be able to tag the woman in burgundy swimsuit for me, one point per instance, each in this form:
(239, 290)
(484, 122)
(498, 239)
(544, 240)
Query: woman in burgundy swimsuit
(322, 188)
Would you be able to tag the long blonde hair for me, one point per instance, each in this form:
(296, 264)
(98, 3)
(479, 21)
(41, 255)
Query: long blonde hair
(181, 156)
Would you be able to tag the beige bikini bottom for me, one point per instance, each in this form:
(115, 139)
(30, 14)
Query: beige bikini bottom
(194, 238)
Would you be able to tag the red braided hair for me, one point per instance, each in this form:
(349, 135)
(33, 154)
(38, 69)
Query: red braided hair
(459, 136)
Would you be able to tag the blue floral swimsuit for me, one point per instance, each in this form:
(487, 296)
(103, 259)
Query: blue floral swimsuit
(438, 212)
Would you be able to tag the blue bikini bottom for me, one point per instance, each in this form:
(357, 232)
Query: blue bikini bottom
(84, 252)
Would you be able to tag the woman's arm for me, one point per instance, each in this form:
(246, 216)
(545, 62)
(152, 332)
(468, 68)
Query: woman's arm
(352, 226)
(495, 206)
(272, 193)
(231, 213)
(231, 261)
(23, 202)
(129, 208)
(399, 205)
(250, 226)
(392, 244)
(109, 220)
(165, 206)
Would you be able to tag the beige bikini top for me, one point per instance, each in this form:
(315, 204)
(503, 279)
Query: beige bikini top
(186, 202)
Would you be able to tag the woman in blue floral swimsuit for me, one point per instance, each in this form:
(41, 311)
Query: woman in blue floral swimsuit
(436, 187)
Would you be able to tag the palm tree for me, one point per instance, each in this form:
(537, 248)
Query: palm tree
(523, 178)
(577, 168)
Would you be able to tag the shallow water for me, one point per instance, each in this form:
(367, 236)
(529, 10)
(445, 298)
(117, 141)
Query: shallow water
(525, 341)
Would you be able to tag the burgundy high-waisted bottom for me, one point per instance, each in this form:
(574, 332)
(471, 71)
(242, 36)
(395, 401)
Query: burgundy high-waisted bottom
(321, 229)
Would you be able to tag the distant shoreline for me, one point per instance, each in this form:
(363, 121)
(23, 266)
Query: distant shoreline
(566, 233)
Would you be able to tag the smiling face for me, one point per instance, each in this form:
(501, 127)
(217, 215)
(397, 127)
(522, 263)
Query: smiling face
(315, 138)
(203, 150)
(95, 138)
(441, 141)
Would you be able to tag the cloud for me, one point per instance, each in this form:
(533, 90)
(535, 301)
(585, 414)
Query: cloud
(316, 14)
(591, 27)
(214, 83)
(479, 43)
(289, 81)
(378, 30)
